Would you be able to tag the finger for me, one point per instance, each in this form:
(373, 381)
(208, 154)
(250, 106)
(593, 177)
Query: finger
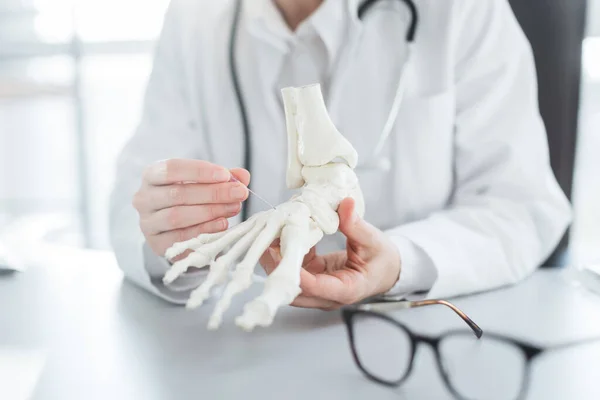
(160, 197)
(241, 175)
(316, 266)
(327, 263)
(310, 256)
(314, 302)
(356, 229)
(276, 244)
(341, 286)
(166, 172)
(270, 260)
(161, 242)
(272, 256)
(179, 217)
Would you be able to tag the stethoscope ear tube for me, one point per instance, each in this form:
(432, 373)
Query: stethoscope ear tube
(414, 16)
(239, 97)
(395, 109)
(376, 162)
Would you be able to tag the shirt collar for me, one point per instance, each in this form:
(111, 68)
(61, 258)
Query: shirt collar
(266, 23)
(331, 22)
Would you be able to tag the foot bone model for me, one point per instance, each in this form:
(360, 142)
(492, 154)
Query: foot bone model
(321, 163)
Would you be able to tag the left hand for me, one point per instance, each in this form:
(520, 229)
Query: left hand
(370, 265)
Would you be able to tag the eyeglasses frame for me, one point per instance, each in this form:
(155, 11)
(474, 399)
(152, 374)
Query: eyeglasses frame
(377, 309)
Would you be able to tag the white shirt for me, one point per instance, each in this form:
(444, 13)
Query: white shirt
(470, 199)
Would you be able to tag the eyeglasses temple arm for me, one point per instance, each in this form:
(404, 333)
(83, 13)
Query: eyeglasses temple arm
(400, 305)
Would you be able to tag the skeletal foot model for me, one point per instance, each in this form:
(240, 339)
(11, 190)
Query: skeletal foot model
(321, 163)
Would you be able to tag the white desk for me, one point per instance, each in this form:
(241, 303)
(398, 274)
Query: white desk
(100, 338)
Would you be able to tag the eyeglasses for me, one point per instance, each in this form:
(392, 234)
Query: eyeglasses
(472, 367)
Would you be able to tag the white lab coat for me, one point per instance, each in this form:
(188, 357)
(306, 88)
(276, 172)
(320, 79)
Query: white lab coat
(470, 192)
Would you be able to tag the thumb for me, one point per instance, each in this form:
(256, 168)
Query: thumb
(356, 229)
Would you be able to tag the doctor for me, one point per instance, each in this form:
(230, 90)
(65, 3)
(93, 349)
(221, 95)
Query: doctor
(460, 199)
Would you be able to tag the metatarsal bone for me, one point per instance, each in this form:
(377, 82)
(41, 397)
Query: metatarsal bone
(283, 284)
(242, 276)
(220, 267)
(207, 252)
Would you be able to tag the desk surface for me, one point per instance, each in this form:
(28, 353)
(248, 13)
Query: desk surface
(100, 337)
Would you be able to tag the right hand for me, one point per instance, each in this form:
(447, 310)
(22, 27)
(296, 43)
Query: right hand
(173, 211)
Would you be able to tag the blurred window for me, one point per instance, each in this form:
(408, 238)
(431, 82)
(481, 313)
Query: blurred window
(72, 77)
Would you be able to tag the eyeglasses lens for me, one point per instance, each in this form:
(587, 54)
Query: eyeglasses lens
(383, 349)
(483, 369)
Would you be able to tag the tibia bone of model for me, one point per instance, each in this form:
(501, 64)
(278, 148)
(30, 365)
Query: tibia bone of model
(313, 140)
(321, 162)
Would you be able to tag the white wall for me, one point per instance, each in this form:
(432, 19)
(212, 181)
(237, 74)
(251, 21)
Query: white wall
(593, 24)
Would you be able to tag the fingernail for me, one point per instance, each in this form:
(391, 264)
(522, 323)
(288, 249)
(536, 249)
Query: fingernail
(238, 192)
(159, 169)
(221, 175)
(223, 223)
(233, 207)
(354, 217)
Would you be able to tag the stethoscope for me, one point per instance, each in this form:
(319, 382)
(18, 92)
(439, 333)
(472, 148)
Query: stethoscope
(375, 162)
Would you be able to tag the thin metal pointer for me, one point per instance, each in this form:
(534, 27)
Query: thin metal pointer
(233, 178)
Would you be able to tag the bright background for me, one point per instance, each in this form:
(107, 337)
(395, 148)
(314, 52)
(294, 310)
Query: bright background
(69, 102)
